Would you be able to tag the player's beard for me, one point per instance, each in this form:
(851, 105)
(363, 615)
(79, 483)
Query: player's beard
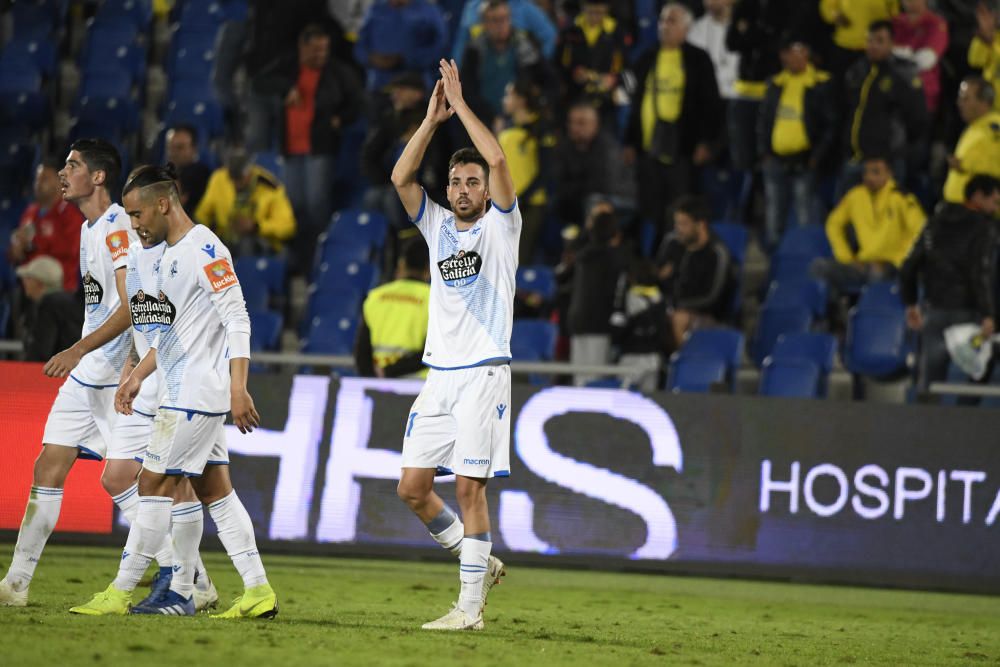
(471, 217)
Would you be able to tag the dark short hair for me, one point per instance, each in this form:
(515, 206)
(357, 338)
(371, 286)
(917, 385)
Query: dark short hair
(985, 92)
(982, 184)
(878, 157)
(312, 31)
(415, 256)
(492, 4)
(881, 24)
(469, 156)
(695, 207)
(100, 155)
(604, 227)
(51, 162)
(191, 131)
(150, 174)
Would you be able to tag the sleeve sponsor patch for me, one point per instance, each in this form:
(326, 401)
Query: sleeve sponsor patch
(117, 244)
(220, 274)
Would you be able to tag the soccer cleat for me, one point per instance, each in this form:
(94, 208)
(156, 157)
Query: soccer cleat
(456, 619)
(169, 604)
(159, 586)
(207, 598)
(109, 602)
(494, 570)
(11, 598)
(257, 602)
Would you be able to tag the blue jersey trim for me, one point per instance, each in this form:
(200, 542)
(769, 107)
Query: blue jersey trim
(505, 210)
(216, 463)
(501, 473)
(423, 205)
(92, 386)
(190, 413)
(89, 454)
(441, 471)
(144, 414)
(484, 362)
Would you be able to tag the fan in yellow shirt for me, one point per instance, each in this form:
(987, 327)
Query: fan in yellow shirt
(984, 50)
(978, 149)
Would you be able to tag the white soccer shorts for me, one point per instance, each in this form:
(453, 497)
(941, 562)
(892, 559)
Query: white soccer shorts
(184, 442)
(82, 417)
(460, 423)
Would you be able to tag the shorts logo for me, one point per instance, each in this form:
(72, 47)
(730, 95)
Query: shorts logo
(93, 293)
(152, 457)
(117, 244)
(220, 275)
(500, 410)
(461, 269)
(476, 462)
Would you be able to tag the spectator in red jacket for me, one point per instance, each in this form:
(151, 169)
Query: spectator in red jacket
(49, 226)
(921, 36)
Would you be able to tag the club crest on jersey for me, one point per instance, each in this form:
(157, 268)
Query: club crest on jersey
(173, 268)
(149, 314)
(220, 275)
(461, 269)
(117, 244)
(93, 293)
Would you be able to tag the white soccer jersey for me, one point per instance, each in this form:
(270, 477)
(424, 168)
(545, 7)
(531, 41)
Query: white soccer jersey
(472, 286)
(149, 312)
(103, 249)
(201, 310)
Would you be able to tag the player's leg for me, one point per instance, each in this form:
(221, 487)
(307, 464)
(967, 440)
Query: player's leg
(235, 530)
(70, 423)
(416, 489)
(188, 521)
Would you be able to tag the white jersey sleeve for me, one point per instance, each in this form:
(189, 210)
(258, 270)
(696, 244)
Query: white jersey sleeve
(218, 278)
(104, 248)
(472, 286)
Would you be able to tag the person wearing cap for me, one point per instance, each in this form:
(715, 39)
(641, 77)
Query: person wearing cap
(247, 207)
(398, 36)
(796, 134)
(54, 318)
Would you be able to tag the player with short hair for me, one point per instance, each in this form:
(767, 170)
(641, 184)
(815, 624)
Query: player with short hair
(81, 423)
(460, 422)
(201, 354)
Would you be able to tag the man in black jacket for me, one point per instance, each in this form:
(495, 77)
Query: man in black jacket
(677, 116)
(321, 96)
(796, 134)
(54, 318)
(886, 111)
(953, 260)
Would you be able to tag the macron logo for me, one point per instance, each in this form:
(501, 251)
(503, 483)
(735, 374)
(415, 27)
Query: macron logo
(476, 462)
(500, 410)
(112, 216)
(125, 555)
(209, 250)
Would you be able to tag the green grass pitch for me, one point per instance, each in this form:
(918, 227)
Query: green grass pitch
(338, 611)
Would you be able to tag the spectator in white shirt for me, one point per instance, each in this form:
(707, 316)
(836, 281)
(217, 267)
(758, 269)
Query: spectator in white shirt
(709, 33)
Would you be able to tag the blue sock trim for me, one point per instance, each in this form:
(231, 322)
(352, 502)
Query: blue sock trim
(126, 494)
(482, 537)
(445, 518)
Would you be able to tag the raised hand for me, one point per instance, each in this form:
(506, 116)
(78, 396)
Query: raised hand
(450, 82)
(437, 109)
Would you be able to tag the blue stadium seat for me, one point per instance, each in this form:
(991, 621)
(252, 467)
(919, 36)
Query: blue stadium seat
(203, 14)
(25, 104)
(538, 279)
(4, 317)
(692, 373)
(735, 236)
(349, 183)
(254, 291)
(333, 256)
(11, 207)
(330, 335)
(195, 104)
(804, 292)
(356, 226)
(876, 343)
(190, 64)
(772, 323)
(351, 275)
(790, 378)
(138, 12)
(265, 328)
(109, 117)
(819, 348)
(271, 270)
(725, 344)
(39, 53)
(798, 247)
(35, 20)
(332, 302)
(17, 157)
(723, 188)
(533, 340)
(883, 294)
(124, 59)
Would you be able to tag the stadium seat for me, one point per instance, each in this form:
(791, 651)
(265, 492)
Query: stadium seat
(194, 103)
(799, 292)
(330, 335)
(790, 378)
(109, 117)
(723, 188)
(254, 291)
(692, 373)
(332, 302)
(203, 15)
(533, 340)
(883, 294)
(725, 344)
(735, 236)
(356, 227)
(272, 271)
(4, 317)
(819, 348)
(39, 53)
(798, 247)
(774, 321)
(333, 256)
(26, 105)
(34, 20)
(138, 12)
(190, 64)
(17, 156)
(876, 343)
(265, 328)
(538, 279)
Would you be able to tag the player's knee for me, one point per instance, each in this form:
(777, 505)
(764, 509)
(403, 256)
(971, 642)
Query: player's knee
(116, 481)
(412, 494)
(52, 465)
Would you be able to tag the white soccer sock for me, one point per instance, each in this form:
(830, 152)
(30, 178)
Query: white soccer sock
(201, 580)
(447, 530)
(188, 522)
(471, 570)
(145, 536)
(40, 518)
(236, 534)
(128, 503)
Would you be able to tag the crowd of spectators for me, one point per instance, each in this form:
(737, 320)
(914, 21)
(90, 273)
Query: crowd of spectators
(630, 128)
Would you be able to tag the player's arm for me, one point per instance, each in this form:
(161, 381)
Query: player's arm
(245, 415)
(63, 363)
(501, 184)
(404, 174)
(129, 389)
